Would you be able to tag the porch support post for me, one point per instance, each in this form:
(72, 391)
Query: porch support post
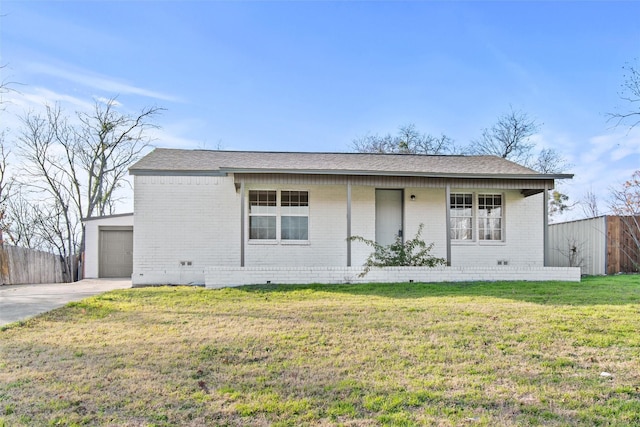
(545, 222)
(348, 222)
(242, 222)
(448, 225)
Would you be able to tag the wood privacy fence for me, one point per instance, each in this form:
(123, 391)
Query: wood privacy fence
(22, 265)
(606, 244)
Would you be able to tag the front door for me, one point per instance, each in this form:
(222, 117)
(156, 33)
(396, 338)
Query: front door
(388, 216)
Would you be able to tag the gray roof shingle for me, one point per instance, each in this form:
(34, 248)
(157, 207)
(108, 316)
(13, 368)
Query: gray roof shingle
(176, 161)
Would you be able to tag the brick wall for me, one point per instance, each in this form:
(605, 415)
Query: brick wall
(523, 244)
(218, 277)
(184, 225)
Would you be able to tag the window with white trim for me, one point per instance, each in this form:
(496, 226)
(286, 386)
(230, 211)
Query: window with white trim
(262, 214)
(461, 216)
(484, 214)
(490, 217)
(294, 215)
(281, 214)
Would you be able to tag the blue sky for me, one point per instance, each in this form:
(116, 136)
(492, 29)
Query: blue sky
(314, 75)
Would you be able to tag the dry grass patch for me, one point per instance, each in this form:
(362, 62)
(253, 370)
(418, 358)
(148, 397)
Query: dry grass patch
(511, 353)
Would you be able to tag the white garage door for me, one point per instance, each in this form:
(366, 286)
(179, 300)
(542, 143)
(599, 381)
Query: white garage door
(116, 252)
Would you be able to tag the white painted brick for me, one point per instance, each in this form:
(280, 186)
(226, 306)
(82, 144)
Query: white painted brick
(197, 219)
(218, 277)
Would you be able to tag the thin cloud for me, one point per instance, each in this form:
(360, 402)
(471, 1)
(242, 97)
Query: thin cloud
(95, 81)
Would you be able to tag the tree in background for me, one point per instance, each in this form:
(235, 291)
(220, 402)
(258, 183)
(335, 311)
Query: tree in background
(408, 140)
(5, 180)
(631, 94)
(590, 204)
(5, 184)
(510, 138)
(72, 170)
(625, 199)
(625, 202)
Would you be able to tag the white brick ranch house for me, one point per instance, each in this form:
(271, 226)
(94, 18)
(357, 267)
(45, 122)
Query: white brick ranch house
(228, 218)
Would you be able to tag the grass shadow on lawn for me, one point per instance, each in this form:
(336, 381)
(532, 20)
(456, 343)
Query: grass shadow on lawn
(612, 290)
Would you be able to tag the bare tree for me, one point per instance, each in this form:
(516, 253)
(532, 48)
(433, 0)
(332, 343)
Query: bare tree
(508, 138)
(5, 180)
(5, 184)
(630, 92)
(573, 251)
(74, 170)
(20, 225)
(625, 202)
(589, 204)
(549, 161)
(408, 140)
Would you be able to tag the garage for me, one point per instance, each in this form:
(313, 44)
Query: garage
(108, 249)
(116, 252)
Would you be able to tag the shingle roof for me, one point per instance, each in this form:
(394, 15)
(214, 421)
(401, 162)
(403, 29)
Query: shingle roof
(174, 161)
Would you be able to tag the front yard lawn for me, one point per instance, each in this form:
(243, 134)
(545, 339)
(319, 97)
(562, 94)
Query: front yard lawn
(477, 354)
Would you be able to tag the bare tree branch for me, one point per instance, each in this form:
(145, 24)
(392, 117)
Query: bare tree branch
(408, 141)
(589, 204)
(76, 169)
(630, 92)
(508, 138)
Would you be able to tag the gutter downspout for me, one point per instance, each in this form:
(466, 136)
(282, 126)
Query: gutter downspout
(242, 222)
(348, 222)
(545, 234)
(448, 225)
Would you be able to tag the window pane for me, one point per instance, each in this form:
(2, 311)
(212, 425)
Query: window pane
(262, 198)
(295, 228)
(262, 227)
(461, 229)
(294, 198)
(461, 211)
(490, 216)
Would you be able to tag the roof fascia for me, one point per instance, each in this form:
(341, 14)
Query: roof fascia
(161, 172)
(94, 218)
(397, 173)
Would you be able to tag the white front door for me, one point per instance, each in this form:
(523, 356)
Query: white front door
(388, 216)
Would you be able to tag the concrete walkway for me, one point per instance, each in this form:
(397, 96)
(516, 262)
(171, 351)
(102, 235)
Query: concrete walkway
(19, 302)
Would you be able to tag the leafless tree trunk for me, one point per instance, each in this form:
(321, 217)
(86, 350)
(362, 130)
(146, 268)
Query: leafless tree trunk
(74, 170)
(5, 185)
(589, 205)
(5, 180)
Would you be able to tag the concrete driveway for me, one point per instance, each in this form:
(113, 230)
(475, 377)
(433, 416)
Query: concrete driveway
(19, 302)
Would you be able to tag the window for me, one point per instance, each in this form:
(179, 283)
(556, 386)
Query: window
(461, 206)
(295, 215)
(278, 214)
(262, 215)
(490, 217)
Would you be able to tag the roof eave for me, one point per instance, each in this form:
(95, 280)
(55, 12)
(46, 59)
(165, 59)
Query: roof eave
(226, 171)
(398, 173)
(167, 172)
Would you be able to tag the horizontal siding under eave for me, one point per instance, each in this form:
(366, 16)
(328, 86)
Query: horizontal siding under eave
(392, 181)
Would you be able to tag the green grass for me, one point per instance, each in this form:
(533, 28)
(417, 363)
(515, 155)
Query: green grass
(481, 354)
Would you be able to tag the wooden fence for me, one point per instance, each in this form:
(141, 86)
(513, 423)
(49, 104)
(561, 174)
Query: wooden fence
(22, 265)
(607, 244)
